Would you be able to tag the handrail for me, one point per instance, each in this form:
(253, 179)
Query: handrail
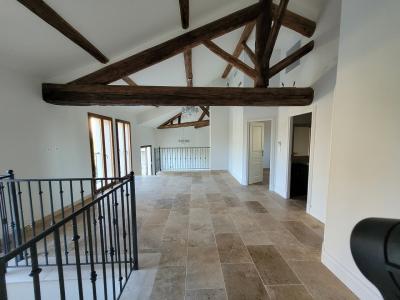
(13, 253)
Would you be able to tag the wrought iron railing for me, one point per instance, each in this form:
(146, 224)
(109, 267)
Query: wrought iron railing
(59, 222)
(181, 158)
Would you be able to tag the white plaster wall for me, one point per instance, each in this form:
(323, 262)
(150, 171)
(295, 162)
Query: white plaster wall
(236, 143)
(219, 138)
(170, 137)
(365, 161)
(317, 69)
(267, 144)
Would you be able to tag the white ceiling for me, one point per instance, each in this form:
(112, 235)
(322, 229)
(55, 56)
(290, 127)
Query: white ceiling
(120, 28)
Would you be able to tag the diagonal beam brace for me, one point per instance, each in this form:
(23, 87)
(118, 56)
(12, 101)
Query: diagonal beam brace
(170, 48)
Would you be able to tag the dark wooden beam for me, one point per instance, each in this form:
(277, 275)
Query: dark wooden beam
(195, 124)
(296, 22)
(263, 28)
(184, 8)
(239, 48)
(47, 14)
(129, 81)
(174, 46)
(124, 95)
(278, 18)
(188, 67)
(205, 112)
(230, 59)
(284, 63)
(171, 120)
(249, 53)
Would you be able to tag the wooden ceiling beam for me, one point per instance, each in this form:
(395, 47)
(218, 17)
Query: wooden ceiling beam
(278, 18)
(249, 53)
(239, 48)
(295, 22)
(187, 54)
(51, 17)
(184, 9)
(124, 95)
(163, 51)
(230, 59)
(284, 63)
(195, 124)
(171, 120)
(129, 81)
(263, 29)
(205, 112)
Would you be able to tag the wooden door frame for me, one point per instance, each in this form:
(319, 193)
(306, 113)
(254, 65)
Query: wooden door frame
(130, 144)
(101, 117)
(273, 121)
(151, 157)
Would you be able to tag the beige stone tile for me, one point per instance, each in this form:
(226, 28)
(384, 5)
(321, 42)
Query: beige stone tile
(255, 207)
(169, 284)
(217, 294)
(222, 223)
(231, 248)
(173, 254)
(320, 282)
(157, 217)
(203, 269)
(243, 283)
(267, 222)
(150, 236)
(304, 234)
(286, 292)
(272, 267)
(256, 237)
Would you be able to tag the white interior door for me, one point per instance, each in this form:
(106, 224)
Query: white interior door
(256, 152)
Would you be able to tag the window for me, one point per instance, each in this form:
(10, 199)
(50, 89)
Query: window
(124, 147)
(102, 148)
(146, 160)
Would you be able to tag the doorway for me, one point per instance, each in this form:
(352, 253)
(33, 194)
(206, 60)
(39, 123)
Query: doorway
(146, 160)
(300, 156)
(260, 135)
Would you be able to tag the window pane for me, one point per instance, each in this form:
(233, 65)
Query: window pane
(121, 149)
(97, 150)
(128, 148)
(108, 142)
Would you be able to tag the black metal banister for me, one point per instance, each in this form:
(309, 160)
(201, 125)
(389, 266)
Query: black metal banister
(109, 216)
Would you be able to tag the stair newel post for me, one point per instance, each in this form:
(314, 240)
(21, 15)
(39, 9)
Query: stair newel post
(134, 221)
(15, 212)
(3, 286)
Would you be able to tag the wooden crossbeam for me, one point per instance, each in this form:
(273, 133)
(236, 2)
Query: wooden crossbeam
(263, 28)
(284, 63)
(124, 95)
(188, 67)
(205, 112)
(296, 22)
(184, 9)
(51, 17)
(163, 51)
(278, 18)
(171, 120)
(230, 59)
(129, 81)
(195, 124)
(239, 48)
(249, 52)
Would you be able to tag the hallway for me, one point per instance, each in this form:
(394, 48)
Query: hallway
(204, 236)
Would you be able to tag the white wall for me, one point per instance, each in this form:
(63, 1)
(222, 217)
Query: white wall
(236, 143)
(317, 69)
(219, 138)
(170, 137)
(365, 161)
(267, 144)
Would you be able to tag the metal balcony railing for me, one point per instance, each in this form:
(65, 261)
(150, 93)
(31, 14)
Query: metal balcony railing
(60, 222)
(181, 158)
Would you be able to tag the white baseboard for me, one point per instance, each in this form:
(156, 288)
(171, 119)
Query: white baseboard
(360, 286)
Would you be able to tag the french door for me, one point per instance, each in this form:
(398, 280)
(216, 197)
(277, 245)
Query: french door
(102, 149)
(124, 147)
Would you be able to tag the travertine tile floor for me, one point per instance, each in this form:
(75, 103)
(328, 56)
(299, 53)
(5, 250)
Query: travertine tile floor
(204, 236)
